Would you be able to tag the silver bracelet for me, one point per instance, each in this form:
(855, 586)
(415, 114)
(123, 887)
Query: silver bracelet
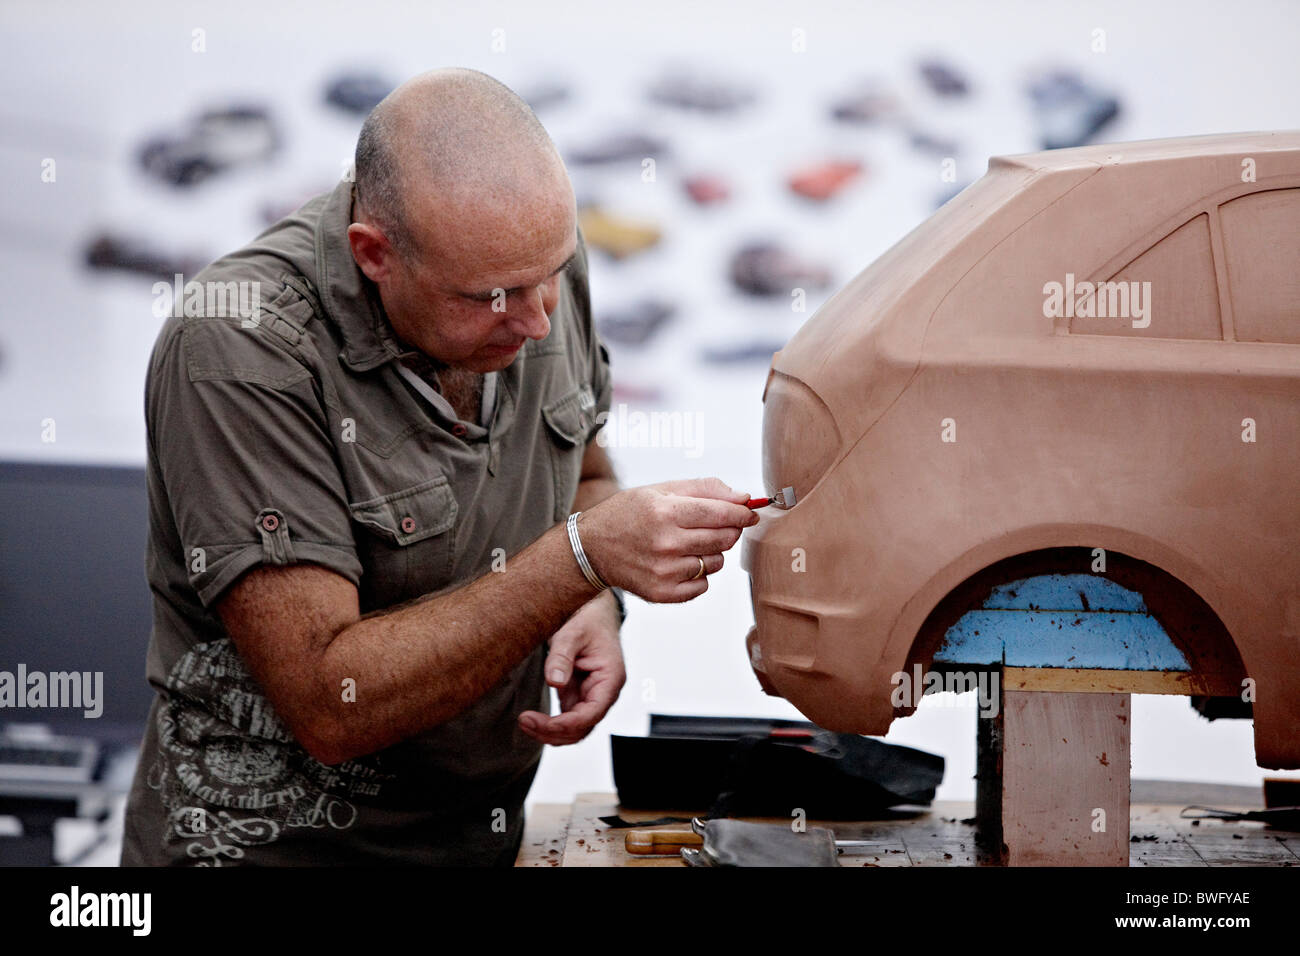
(576, 543)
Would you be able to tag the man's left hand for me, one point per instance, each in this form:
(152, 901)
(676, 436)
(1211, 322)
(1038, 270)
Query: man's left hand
(585, 666)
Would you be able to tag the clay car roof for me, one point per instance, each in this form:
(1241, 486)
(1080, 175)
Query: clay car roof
(1153, 150)
(1067, 210)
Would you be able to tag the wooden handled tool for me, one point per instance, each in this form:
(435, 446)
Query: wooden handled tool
(661, 841)
(669, 840)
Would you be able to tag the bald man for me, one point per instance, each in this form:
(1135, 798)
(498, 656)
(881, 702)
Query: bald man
(364, 565)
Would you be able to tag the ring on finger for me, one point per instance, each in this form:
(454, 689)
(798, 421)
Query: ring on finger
(700, 573)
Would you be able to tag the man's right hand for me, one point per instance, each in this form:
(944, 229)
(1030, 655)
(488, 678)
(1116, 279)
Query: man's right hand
(650, 540)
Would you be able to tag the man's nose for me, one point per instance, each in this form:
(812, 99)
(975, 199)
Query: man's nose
(533, 318)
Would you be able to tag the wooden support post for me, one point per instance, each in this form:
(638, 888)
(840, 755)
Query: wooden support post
(1052, 779)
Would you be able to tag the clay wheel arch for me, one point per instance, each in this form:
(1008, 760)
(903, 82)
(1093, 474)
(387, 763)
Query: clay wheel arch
(1190, 622)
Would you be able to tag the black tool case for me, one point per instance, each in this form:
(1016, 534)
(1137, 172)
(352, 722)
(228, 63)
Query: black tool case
(741, 766)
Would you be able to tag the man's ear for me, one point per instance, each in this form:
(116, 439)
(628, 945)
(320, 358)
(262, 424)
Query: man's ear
(373, 253)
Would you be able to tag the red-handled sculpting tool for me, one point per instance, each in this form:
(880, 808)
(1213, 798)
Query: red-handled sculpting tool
(782, 499)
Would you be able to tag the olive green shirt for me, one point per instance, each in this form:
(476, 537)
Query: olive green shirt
(287, 435)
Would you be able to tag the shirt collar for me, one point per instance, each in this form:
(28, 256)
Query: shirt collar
(350, 299)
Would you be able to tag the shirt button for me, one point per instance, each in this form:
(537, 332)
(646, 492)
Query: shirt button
(459, 430)
(408, 524)
(270, 522)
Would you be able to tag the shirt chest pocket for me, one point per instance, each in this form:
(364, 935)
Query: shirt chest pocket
(407, 542)
(569, 420)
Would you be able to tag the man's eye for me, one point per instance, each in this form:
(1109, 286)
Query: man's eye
(492, 296)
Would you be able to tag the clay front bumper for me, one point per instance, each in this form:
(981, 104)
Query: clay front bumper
(809, 644)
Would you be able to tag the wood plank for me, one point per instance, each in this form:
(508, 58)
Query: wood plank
(1084, 680)
(1156, 837)
(1290, 841)
(934, 842)
(1170, 850)
(943, 837)
(589, 842)
(1244, 844)
(1215, 842)
(544, 828)
(1064, 758)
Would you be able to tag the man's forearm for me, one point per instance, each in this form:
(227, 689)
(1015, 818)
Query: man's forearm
(593, 491)
(420, 665)
(417, 665)
(598, 480)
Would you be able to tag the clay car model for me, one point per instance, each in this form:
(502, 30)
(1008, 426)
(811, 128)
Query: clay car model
(357, 93)
(1069, 111)
(217, 139)
(1088, 351)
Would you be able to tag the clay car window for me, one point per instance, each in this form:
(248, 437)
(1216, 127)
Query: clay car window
(1261, 245)
(1167, 292)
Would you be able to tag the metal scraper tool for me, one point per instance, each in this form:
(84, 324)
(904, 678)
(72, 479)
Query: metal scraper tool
(782, 499)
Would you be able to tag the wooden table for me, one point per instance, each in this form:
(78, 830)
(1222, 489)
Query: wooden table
(572, 835)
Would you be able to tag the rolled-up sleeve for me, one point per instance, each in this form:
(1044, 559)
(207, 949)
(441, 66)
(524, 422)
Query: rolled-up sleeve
(242, 446)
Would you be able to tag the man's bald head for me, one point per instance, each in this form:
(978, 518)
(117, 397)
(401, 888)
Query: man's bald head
(448, 141)
(465, 219)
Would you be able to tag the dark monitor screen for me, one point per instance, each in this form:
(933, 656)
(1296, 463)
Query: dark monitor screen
(74, 601)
